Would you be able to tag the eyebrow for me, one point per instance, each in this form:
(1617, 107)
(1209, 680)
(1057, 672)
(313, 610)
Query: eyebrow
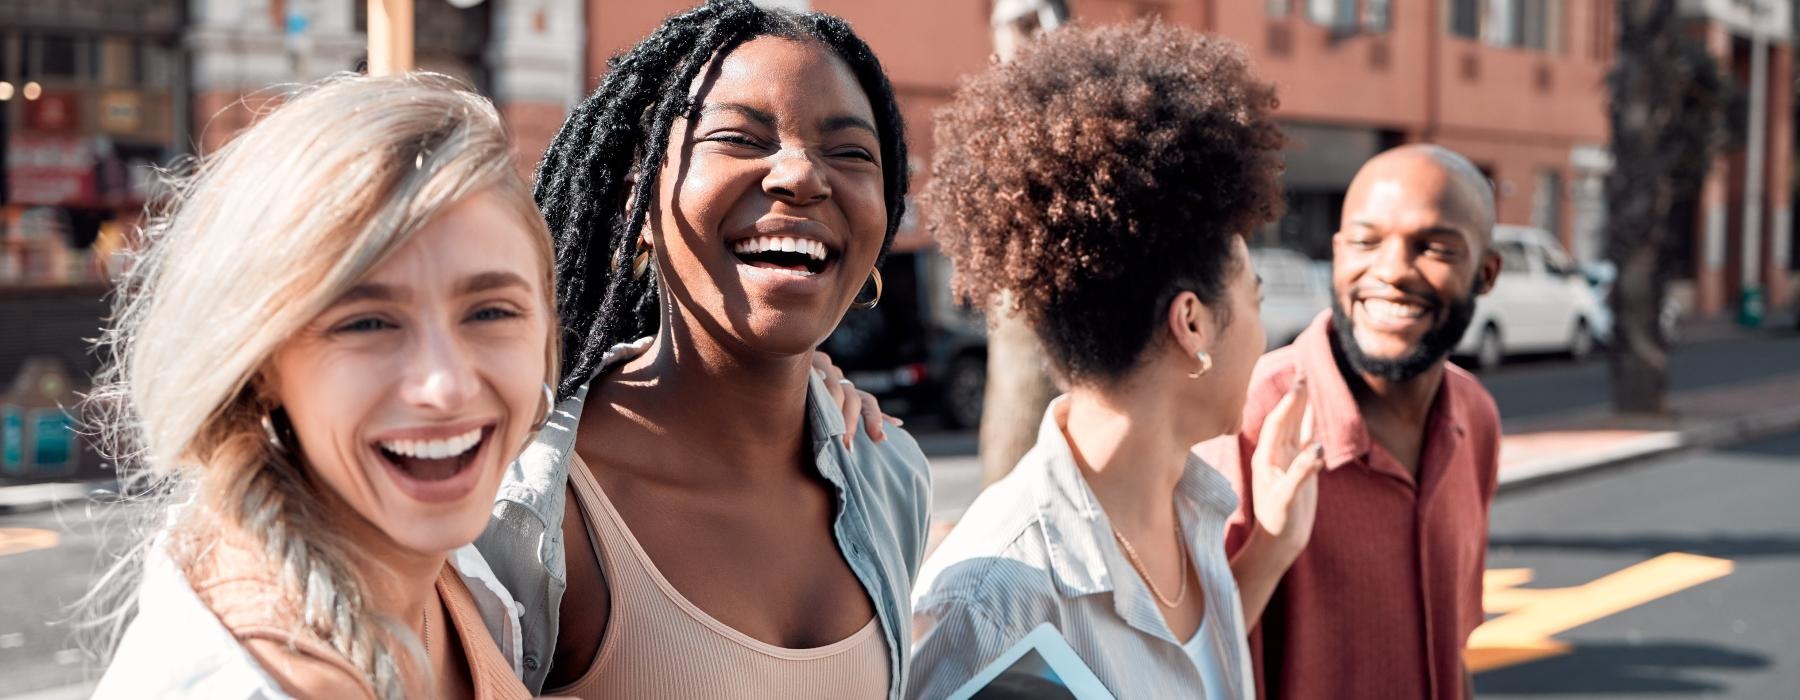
(490, 280)
(846, 121)
(371, 291)
(473, 284)
(828, 125)
(1437, 230)
(752, 113)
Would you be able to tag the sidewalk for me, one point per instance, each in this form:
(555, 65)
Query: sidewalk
(1546, 448)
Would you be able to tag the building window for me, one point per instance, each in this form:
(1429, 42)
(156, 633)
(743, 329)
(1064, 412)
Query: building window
(1331, 13)
(1465, 18)
(1523, 24)
(1341, 15)
(1375, 15)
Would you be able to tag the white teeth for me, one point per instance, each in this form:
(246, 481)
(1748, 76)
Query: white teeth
(434, 449)
(780, 244)
(1384, 309)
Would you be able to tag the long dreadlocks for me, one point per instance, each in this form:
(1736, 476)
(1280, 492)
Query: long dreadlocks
(623, 128)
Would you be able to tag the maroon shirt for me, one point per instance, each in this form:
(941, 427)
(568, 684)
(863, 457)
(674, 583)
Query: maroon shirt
(1384, 597)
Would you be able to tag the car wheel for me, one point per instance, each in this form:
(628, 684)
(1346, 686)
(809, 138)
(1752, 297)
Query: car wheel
(1489, 353)
(1582, 343)
(964, 391)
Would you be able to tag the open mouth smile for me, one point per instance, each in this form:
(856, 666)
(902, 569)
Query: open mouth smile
(800, 257)
(1394, 314)
(435, 468)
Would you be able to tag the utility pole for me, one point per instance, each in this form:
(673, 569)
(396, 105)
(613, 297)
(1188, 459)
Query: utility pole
(1750, 296)
(390, 36)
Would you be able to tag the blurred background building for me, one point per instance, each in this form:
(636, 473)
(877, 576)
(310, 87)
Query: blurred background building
(96, 93)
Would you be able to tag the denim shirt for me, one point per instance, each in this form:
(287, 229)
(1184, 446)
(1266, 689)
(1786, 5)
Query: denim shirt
(883, 517)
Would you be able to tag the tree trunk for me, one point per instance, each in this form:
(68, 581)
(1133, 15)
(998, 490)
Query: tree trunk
(1665, 115)
(1018, 387)
(1018, 391)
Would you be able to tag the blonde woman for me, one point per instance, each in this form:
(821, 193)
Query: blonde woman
(337, 338)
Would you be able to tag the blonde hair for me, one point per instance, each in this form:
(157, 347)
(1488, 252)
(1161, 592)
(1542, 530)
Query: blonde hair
(263, 236)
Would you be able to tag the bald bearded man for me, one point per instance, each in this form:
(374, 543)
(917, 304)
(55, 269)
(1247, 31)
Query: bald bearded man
(1381, 600)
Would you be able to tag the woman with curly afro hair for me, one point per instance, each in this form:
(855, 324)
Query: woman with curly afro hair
(1101, 184)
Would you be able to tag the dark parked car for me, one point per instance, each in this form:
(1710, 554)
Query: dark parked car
(914, 350)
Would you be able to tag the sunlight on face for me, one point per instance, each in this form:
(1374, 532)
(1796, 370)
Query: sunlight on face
(772, 209)
(412, 393)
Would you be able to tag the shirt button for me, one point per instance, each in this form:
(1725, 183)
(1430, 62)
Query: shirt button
(531, 662)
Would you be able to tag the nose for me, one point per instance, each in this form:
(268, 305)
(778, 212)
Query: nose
(1393, 261)
(439, 375)
(796, 179)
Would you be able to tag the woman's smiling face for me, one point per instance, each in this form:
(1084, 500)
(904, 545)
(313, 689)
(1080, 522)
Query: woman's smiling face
(412, 392)
(771, 208)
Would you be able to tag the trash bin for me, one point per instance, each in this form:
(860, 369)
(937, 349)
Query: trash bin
(1750, 307)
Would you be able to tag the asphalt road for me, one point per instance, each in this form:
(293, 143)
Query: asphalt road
(1724, 622)
(48, 560)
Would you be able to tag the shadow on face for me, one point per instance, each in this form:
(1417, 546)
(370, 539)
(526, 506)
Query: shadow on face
(770, 210)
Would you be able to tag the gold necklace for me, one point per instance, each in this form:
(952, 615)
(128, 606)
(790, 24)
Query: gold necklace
(425, 636)
(1131, 553)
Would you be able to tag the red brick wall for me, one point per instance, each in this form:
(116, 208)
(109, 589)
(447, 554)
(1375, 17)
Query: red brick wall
(531, 125)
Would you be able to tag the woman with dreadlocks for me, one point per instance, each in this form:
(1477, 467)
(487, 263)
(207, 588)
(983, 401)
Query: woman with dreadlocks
(698, 520)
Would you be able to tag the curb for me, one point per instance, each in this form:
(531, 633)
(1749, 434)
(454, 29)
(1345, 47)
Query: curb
(1717, 433)
(67, 692)
(30, 496)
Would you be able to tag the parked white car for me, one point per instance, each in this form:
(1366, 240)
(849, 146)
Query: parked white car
(1540, 304)
(1295, 290)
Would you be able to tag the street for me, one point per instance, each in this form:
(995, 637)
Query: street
(1669, 577)
(1731, 636)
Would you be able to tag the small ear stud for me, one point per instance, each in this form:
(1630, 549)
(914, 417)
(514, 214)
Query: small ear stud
(1205, 364)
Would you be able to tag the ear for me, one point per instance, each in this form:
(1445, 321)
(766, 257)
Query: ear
(1488, 272)
(1192, 325)
(263, 386)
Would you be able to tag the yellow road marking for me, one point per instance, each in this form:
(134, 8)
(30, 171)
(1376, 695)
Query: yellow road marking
(1533, 615)
(14, 540)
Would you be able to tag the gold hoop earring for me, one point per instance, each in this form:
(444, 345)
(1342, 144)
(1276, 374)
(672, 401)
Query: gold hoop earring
(273, 431)
(1205, 364)
(875, 276)
(641, 263)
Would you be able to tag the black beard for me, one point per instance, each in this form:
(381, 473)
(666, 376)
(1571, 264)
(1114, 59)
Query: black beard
(1432, 348)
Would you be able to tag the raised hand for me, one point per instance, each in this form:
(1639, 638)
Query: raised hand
(1283, 471)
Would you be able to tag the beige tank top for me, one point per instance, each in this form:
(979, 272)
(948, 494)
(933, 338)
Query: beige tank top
(660, 645)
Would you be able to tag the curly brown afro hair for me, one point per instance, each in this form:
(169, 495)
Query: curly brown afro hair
(1099, 174)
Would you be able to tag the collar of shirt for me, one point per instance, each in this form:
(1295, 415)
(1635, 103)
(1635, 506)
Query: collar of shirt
(176, 647)
(1079, 536)
(1339, 420)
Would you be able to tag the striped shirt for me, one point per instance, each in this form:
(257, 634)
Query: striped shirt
(1037, 547)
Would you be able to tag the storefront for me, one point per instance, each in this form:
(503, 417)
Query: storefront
(92, 96)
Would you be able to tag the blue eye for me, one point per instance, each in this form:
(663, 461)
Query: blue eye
(493, 313)
(367, 324)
